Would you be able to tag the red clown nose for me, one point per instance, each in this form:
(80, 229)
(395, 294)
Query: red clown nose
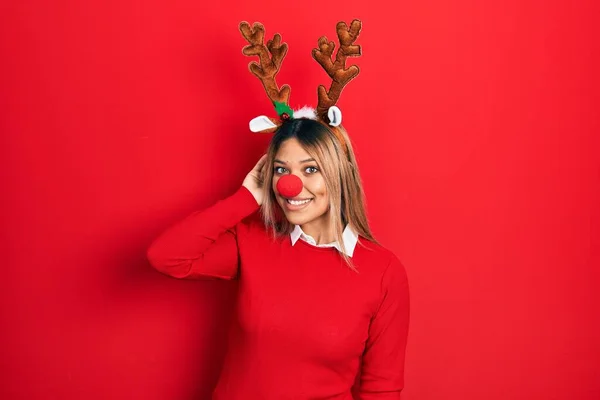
(289, 186)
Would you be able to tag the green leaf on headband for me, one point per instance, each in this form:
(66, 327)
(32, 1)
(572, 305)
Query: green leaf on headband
(282, 108)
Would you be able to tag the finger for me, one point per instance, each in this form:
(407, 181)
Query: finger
(261, 163)
(264, 164)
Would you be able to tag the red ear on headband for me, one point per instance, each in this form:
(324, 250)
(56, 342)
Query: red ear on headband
(289, 186)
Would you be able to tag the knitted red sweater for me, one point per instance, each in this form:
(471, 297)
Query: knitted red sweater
(307, 326)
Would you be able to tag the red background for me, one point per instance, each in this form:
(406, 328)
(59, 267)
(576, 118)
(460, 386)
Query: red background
(476, 128)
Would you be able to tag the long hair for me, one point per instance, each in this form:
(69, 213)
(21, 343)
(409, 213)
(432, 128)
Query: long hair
(340, 173)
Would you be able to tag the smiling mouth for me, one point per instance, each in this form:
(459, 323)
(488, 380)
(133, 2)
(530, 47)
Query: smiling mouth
(297, 202)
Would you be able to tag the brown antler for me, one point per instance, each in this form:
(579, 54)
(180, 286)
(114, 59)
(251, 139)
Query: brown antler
(269, 66)
(337, 70)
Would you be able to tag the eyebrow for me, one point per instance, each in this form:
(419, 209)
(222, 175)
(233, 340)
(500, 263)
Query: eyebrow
(301, 162)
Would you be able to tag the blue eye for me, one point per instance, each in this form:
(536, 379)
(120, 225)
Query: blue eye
(312, 170)
(279, 170)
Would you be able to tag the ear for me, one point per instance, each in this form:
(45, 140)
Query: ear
(262, 124)
(335, 116)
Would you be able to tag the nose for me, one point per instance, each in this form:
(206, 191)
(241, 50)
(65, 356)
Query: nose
(289, 186)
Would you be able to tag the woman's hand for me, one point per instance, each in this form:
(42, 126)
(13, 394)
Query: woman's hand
(255, 178)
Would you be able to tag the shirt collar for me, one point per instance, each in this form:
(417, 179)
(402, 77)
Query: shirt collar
(349, 237)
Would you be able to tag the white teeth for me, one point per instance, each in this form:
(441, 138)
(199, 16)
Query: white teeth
(298, 202)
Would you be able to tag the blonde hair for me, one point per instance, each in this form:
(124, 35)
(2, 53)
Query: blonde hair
(337, 164)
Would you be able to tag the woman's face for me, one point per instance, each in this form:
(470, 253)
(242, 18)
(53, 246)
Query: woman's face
(312, 204)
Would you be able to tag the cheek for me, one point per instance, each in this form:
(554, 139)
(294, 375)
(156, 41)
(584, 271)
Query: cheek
(317, 187)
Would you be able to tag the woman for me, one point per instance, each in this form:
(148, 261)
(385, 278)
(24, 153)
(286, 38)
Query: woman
(323, 309)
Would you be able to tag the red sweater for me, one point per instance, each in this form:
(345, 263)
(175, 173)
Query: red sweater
(307, 326)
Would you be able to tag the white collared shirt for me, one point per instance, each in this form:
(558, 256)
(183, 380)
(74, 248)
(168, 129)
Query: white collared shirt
(349, 237)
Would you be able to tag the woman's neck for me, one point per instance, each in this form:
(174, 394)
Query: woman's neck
(320, 230)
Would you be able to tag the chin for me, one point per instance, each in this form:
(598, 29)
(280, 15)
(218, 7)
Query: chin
(296, 219)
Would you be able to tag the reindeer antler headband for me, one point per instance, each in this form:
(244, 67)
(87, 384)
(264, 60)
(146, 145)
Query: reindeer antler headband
(270, 59)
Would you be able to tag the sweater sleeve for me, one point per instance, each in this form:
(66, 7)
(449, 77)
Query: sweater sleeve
(382, 369)
(205, 244)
